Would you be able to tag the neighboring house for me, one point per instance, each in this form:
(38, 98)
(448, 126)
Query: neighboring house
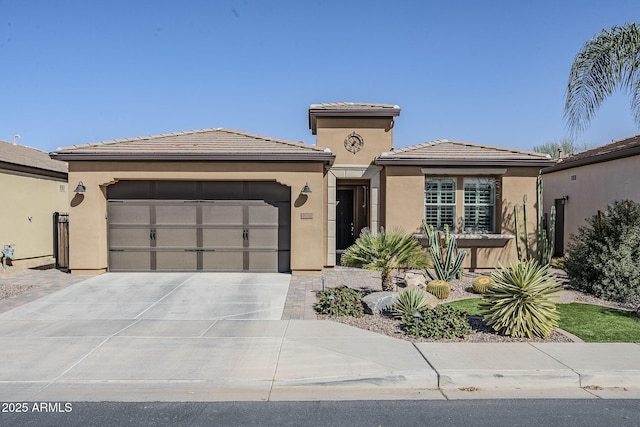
(33, 187)
(224, 200)
(582, 184)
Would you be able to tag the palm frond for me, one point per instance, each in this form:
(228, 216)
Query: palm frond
(608, 62)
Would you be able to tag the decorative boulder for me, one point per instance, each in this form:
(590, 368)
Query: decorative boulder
(377, 302)
(415, 278)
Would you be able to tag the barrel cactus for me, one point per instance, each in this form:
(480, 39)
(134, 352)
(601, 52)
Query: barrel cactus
(439, 288)
(481, 284)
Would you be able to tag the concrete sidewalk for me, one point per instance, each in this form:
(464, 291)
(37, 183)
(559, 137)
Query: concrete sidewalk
(191, 360)
(173, 341)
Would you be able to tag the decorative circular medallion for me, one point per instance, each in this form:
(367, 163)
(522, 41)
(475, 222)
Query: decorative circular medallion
(353, 142)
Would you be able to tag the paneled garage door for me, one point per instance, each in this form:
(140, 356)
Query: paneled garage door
(243, 233)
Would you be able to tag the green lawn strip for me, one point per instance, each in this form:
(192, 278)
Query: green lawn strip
(591, 323)
(470, 305)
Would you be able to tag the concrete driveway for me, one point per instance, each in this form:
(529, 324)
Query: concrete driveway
(189, 337)
(164, 296)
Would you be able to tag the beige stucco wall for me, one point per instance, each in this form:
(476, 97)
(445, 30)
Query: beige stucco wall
(29, 196)
(88, 225)
(377, 134)
(404, 208)
(595, 187)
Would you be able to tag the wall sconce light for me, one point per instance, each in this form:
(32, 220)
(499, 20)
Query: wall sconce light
(565, 199)
(80, 188)
(305, 189)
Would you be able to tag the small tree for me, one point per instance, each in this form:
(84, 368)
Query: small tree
(385, 252)
(565, 145)
(604, 258)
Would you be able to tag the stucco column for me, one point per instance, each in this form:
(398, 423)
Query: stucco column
(372, 173)
(87, 226)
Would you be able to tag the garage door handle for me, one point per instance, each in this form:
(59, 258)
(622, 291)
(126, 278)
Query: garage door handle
(245, 234)
(152, 235)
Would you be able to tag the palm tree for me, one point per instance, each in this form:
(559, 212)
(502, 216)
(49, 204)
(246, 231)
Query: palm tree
(609, 61)
(385, 252)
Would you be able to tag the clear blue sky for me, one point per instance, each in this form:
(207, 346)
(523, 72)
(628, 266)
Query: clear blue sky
(491, 72)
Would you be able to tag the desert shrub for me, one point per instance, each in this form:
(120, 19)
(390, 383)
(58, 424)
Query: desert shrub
(481, 284)
(520, 303)
(441, 322)
(341, 301)
(410, 300)
(439, 288)
(385, 251)
(604, 257)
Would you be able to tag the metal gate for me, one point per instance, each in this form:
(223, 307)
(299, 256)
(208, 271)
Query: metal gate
(61, 239)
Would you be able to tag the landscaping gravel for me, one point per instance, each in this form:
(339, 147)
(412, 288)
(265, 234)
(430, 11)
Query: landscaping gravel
(9, 289)
(461, 289)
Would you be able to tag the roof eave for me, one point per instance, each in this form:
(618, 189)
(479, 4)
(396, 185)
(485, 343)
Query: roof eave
(461, 162)
(233, 157)
(314, 113)
(32, 170)
(614, 155)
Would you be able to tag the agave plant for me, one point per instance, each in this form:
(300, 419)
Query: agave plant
(410, 300)
(520, 303)
(385, 252)
(447, 261)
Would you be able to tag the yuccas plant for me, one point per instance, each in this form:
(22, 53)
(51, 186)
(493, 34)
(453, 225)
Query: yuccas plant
(439, 288)
(481, 284)
(520, 304)
(410, 300)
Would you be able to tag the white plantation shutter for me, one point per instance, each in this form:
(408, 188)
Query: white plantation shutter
(479, 204)
(440, 202)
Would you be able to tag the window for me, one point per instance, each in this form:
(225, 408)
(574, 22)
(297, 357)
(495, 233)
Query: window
(440, 202)
(479, 204)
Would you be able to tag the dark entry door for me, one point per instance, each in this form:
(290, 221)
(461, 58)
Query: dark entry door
(351, 215)
(558, 249)
(345, 226)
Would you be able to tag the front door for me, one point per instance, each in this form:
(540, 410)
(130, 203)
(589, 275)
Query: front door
(351, 215)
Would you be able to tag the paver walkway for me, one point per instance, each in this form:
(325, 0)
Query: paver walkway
(302, 289)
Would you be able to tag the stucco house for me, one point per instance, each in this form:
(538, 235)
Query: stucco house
(581, 184)
(33, 187)
(225, 200)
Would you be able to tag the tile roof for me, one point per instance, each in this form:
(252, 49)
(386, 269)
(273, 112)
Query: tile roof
(615, 150)
(454, 153)
(353, 106)
(350, 109)
(205, 144)
(20, 155)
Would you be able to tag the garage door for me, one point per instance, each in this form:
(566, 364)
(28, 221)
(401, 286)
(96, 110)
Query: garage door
(199, 234)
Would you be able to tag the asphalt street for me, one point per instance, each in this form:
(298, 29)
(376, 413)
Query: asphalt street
(477, 413)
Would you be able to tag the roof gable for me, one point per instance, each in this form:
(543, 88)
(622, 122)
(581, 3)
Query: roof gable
(455, 153)
(615, 150)
(19, 155)
(205, 144)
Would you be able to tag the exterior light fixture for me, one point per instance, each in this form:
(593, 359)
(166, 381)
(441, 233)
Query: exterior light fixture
(305, 189)
(80, 188)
